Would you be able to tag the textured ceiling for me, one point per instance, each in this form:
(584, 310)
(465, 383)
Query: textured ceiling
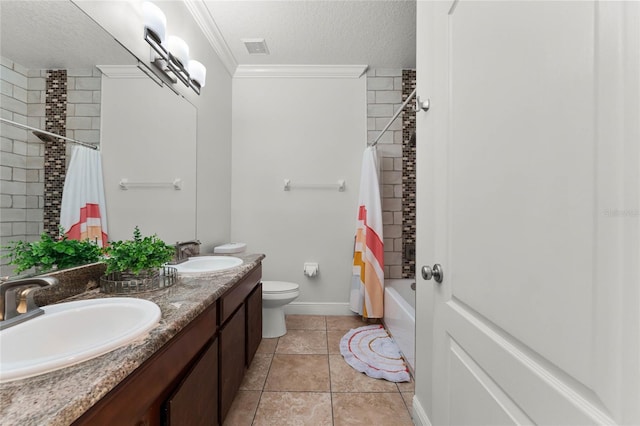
(378, 33)
(55, 34)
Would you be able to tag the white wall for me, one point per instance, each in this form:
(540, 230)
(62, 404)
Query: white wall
(149, 138)
(309, 130)
(123, 20)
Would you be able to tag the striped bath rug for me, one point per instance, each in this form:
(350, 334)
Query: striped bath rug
(372, 351)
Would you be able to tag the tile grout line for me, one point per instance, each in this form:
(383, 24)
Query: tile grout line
(326, 332)
(406, 406)
(255, 413)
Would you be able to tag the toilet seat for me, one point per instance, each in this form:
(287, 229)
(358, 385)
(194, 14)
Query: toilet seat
(278, 287)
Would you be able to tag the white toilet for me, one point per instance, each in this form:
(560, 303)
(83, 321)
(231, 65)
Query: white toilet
(275, 295)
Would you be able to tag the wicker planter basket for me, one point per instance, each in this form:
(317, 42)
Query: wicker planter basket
(145, 274)
(147, 280)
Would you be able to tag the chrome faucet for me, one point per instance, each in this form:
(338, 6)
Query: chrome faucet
(186, 249)
(10, 294)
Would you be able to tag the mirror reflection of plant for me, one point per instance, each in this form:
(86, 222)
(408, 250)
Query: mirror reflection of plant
(138, 254)
(48, 253)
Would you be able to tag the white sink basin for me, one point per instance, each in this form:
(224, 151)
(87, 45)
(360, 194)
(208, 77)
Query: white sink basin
(73, 332)
(201, 264)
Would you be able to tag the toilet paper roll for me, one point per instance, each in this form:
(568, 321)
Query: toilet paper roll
(311, 269)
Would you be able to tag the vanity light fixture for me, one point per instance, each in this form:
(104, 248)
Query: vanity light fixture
(155, 21)
(198, 73)
(170, 53)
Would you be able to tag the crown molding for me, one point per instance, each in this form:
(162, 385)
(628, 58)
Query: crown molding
(212, 33)
(300, 71)
(121, 71)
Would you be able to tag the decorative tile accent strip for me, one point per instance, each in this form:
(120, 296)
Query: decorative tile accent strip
(55, 152)
(408, 178)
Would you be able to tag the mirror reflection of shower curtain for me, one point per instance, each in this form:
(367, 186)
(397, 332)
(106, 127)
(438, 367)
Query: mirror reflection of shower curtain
(83, 213)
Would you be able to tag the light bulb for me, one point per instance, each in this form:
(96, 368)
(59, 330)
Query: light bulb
(155, 21)
(179, 49)
(198, 72)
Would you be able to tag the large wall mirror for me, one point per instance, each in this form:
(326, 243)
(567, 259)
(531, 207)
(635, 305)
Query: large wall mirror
(37, 36)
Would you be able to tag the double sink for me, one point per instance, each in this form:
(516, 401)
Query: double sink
(73, 332)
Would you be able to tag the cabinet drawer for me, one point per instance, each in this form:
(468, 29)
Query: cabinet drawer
(235, 296)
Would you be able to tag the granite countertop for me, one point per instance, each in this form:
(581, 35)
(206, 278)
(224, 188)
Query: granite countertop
(60, 397)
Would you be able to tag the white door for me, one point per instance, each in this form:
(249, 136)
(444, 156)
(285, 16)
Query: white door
(528, 196)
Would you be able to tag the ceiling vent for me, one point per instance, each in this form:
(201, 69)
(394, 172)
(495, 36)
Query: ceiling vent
(256, 46)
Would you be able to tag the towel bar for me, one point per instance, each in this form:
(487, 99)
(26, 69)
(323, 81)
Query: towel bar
(340, 186)
(125, 184)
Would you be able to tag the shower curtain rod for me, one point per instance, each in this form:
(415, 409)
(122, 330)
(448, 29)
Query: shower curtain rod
(34, 129)
(375, 142)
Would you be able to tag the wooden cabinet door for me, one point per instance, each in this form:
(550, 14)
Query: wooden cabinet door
(139, 398)
(195, 401)
(232, 359)
(254, 322)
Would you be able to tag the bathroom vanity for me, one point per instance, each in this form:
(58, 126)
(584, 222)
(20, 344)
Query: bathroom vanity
(186, 371)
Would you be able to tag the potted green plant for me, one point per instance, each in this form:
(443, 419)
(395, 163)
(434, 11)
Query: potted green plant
(137, 259)
(49, 253)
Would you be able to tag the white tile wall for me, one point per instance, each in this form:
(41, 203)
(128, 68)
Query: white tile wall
(22, 156)
(20, 182)
(384, 97)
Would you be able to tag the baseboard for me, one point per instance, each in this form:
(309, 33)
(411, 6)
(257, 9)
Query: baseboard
(420, 417)
(309, 308)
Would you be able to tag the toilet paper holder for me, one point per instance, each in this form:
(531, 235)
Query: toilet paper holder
(310, 269)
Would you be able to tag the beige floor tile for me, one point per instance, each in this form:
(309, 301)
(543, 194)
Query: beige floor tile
(406, 386)
(408, 400)
(303, 342)
(345, 379)
(344, 322)
(333, 341)
(298, 373)
(294, 409)
(305, 322)
(243, 409)
(267, 346)
(256, 375)
(370, 409)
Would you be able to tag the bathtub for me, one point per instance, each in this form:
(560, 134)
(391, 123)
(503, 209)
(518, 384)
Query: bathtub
(400, 316)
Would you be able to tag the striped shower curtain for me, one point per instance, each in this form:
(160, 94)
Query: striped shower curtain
(83, 213)
(367, 284)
